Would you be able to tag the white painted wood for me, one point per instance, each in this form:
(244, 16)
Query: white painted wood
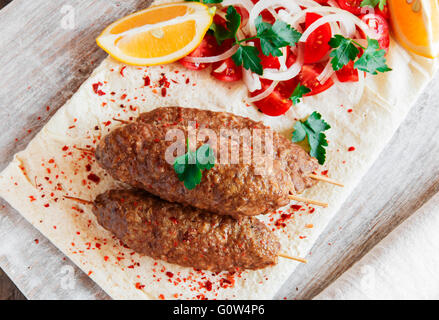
(42, 64)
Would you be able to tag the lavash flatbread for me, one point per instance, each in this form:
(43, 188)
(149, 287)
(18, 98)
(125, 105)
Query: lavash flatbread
(51, 167)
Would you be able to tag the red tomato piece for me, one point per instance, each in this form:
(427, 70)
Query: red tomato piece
(352, 6)
(266, 15)
(278, 102)
(316, 46)
(308, 78)
(348, 73)
(385, 13)
(380, 26)
(228, 71)
(208, 47)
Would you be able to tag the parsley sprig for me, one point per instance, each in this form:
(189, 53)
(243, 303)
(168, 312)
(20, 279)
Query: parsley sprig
(346, 50)
(374, 3)
(205, 1)
(189, 166)
(298, 93)
(272, 38)
(313, 129)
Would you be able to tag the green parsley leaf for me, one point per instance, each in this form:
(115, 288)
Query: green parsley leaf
(205, 1)
(313, 128)
(298, 93)
(248, 57)
(373, 59)
(275, 36)
(374, 3)
(345, 50)
(189, 166)
(233, 24)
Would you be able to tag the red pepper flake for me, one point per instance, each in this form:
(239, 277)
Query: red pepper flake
(98, 245)
(106, 123)
(139, 286)
(122, 70)
(46, 205)
(163, 82)
(37, 241)
(47, 108)
(123, 97)
(106, 258)
(164, 92)
(51, 161)
(187, 81)
(169, 274)
(96, 88)
(351, 149)
(208, 285)
(94, 178)
(147, 81)
(65, 148)
(174, 220)
(88, 167)
(350, 110)
(32, 198)
(325, 173)
(161, 297)
(89, 273)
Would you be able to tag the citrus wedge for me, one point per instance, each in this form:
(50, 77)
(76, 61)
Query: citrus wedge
(158, 35)
(416, 25)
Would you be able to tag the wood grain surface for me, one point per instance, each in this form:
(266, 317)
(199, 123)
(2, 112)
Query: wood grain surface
(8, 291)
(46, 73)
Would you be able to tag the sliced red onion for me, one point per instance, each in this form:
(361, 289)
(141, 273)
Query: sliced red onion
(327, 72)
(262, 5)
(221, 68)
(264, 94)
(251, 80)
(213, 59)
(338, 17)
(247, 4)
(291, 72)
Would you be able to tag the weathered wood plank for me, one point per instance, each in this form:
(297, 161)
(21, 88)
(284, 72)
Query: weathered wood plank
(42, 64)
(47, 66)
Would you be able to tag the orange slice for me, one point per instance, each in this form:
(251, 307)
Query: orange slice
(416, 25)
(158, 35)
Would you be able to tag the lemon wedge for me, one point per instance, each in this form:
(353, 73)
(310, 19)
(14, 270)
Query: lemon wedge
(416, 25)
(157, 35)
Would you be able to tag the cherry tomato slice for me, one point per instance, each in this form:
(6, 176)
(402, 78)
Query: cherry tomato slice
(308, 78)
(278, 102)
(266, 15)
(316, 46)
(380, 26)
(348, 73)
(353, 6)
(385, 13)
(226, 71)
(208, 47)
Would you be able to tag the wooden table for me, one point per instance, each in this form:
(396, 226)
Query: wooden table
(8, 291)
(405, 176)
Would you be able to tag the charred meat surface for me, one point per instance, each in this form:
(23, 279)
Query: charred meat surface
(185, 236)
(294, 159)
(135, 154)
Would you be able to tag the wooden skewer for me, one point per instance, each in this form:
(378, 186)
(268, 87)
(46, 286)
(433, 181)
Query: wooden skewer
(292, 258)
(308, 201)
(326, 179)
(85, 150)
(121, 121)
(78, 200)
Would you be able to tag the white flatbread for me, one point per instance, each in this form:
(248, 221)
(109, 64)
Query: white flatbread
(51, 166)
